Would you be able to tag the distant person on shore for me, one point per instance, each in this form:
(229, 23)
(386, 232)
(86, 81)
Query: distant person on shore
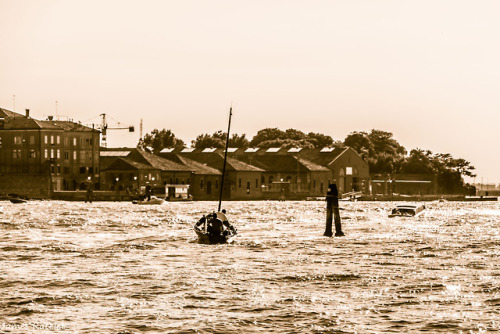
(148, 192)
(90, 192)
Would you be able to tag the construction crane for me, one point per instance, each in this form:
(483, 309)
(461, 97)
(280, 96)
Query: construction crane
(104, 127)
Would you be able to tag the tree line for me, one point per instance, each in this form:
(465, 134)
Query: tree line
(378, 148)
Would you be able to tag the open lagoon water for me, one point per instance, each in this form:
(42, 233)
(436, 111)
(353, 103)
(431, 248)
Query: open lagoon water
(115, 267)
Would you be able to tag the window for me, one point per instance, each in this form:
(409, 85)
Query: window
(66, 141)
(74, 141)
(239, 183)
(58, 154)
(16, 154)
(46, 139)
(82, 155)
(74, 155)
(66, 155)
(32, 140)
(52, 139)
(262, 179)
(58, 139)
(52, 169)
(52, 153)
(46, 154)
(201, 184)
(58, 170)
(32, 154)
(18, 140)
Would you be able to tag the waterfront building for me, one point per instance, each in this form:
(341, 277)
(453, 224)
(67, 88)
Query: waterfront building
(348, 170)
(289, 176)
(132, 169)
(242, 181)
(38, 157)
(205, 180)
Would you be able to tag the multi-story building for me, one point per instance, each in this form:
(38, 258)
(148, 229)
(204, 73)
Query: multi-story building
(37, 157)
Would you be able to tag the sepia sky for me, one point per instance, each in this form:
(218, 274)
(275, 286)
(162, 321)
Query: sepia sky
(427, 71)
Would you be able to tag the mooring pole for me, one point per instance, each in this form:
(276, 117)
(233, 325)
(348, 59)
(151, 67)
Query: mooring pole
(332, 212)
(329, 211)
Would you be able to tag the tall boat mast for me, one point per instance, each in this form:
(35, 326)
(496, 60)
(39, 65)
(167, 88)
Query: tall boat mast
(225, 158)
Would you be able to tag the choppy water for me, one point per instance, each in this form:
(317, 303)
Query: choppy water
(121, 268)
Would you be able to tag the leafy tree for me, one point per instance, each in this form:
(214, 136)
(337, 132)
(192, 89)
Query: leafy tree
(158, 140)
(361, 143)
(418, 162)
(320, 140)
(218, 140)
(238, 141)
(266, 135)
(274, 137)
(382, 152)
(383, 142)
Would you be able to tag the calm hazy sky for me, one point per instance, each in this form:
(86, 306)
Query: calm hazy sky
(427, 71)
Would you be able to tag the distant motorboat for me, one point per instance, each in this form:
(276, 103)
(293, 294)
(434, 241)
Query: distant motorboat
(407, 210)
(153, 201)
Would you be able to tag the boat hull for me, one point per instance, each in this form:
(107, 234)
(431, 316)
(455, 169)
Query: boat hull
(18, 200)
(213, 239)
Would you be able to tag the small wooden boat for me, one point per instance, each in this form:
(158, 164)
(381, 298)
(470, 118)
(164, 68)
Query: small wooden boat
(17, 199)
(407, 210)
(214, 229)
(153, 201)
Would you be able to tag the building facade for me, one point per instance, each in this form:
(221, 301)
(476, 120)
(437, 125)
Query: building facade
(62, 154)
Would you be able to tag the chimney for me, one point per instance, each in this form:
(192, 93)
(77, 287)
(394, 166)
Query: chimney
(27, 112)
(50, 118)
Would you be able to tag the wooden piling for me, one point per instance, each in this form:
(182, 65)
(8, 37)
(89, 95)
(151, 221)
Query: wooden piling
(332, 212)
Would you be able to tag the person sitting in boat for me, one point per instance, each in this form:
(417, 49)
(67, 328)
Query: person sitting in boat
(228, 228)
(215, 226)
